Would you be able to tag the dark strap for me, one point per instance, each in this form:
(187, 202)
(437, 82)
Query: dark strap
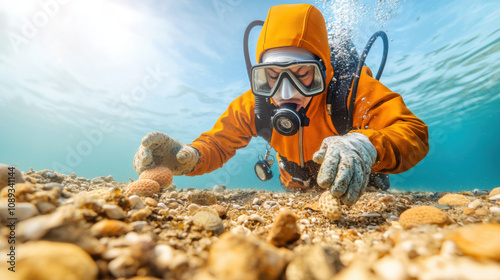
(264, 111)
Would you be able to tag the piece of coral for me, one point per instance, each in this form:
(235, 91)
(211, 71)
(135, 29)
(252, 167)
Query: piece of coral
(481, 241)
(162, 175)
(142, 187)
(422, 215)
(453, 199)
(284, 230)
(330, 206)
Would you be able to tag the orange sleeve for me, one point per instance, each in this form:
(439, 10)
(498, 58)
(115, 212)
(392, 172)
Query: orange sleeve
(401, 139)
(233, 130)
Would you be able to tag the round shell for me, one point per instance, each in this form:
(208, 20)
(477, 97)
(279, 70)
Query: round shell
(142, 187)
(422, 215)
(209, 221)
(330, 206)
(162, 175)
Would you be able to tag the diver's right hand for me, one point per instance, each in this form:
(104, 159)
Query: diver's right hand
(158, 149)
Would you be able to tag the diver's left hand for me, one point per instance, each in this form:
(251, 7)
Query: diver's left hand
(346, 163)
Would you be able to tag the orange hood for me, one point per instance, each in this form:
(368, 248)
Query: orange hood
(298, 25)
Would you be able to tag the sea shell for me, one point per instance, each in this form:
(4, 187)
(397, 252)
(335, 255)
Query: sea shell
(330, 206)
(422, 215)
(454, 199)
(481, 241)
(162, 175)
(142, 187)
(284, 230)
(110, 228)
(208, 220)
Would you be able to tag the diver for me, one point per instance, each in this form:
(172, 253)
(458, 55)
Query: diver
(292, 77)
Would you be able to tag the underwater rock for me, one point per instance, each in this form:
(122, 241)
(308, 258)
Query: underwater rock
(319, 262)
(242, 257)
(142, 187)
(330, 206)
(5, 174)
(208, 220)
(284, 230)
(422, 215)
(453, 199)
(202, 198)
(162, 175)
(219, 188)
(113, 211)
(110, 228)
(474, 204)
(136, 202)
(51, 260)
(481, 241)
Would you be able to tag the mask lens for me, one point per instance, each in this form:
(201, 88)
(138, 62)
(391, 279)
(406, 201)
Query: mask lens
(306, 76)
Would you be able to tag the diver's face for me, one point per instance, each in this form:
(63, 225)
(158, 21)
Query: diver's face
(287, 93)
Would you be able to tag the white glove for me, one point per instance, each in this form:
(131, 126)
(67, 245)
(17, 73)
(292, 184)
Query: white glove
(158, 149)
(346, 163)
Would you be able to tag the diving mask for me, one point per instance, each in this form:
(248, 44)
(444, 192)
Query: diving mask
(307, 76)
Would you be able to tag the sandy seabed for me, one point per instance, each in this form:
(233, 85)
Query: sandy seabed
(69, 227)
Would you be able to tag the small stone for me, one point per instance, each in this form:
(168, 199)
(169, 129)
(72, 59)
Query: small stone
(52, 260)
(495, 210)
(123, 266)
(150, 201)
(162, 175)
(256, 217)
(256, 201)
(390, 267)
(113, 211)
(481, 241)
(141, 214)
(236, 256)
(136, 202)
(494, 192)
(22, 211)
(221, 210)
(453, 199)
(219, 188)
(110, 228)
(476, 203)
(495, 197)
(422, 215)
(193, 208)
(284, 230)
(443, 206)
(202, 198)
(468, 211)
(330, 206)
(481, 212)
(320, 261)
(138, 225)
(142, 187)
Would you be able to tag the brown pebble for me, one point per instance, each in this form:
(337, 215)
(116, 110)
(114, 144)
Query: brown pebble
(141, 214)
(151, 202)
(481, 241)
(284, 230)
(468, 211)
(202, 198)
(481, 212)
(110, 228)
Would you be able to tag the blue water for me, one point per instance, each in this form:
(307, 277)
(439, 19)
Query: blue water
(81, 82)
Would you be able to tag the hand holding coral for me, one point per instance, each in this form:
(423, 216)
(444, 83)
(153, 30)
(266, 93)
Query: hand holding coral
(158, 149)
(346, 163)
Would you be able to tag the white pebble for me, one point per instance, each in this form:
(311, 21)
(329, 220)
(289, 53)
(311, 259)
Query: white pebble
(219, 188)
(256, 201)
(241, 230)
(305, 237)
(305, 222)
(495, 210)
(136, 202)
(138, 225)
(313, 220)
(22, 211)
(255, 217)
(162, 205)
(164, 255)
(192, 208)
(370, 215)
(113, 211)
(475, 204)
(495, 197)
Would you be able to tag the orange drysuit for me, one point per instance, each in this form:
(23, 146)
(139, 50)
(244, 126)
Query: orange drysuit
(401, 139)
